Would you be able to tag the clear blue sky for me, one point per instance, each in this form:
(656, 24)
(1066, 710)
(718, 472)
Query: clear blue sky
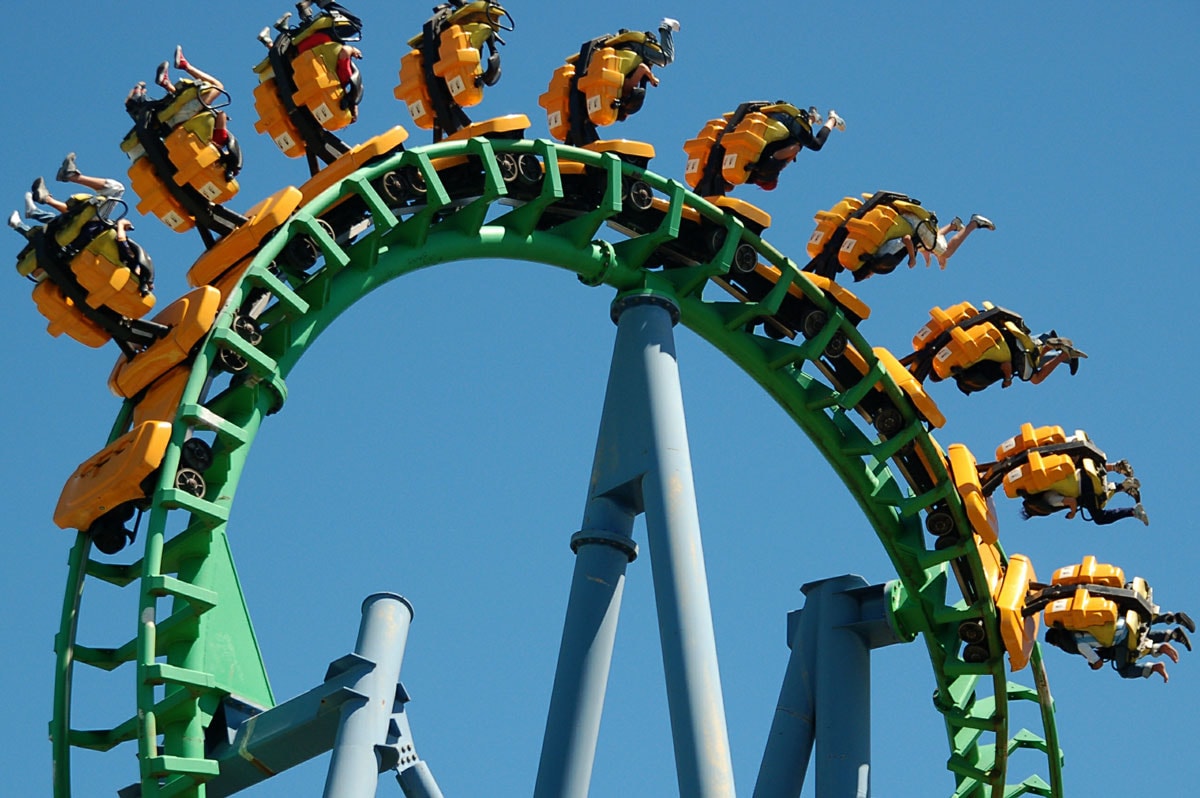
(437, 442)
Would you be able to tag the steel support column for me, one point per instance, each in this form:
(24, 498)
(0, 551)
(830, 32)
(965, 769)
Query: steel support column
(354, 767)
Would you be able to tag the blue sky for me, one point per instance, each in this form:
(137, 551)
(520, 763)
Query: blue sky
(437, 441)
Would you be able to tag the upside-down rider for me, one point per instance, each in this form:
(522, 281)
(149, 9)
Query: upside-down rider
(940, 243)
(1089, 493)
(347, 71)
(639, 53)
(1017, 354)
(481, 21)
(789, 131)
(1124, 658)
(143, 109)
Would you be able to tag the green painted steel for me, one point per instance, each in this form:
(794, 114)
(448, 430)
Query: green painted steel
(204, 647)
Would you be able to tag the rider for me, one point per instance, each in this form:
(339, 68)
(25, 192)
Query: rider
(942, 244)
(1150, 642)
(788, 131)
(1084, 490)
(1015, 354)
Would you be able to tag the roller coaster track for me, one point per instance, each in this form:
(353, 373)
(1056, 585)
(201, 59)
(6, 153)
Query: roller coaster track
(195, 644)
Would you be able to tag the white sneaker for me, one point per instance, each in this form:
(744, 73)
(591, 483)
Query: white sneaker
(838, 122)
(30, 208)
(814, 116)
(983, 221)
(956, 223)
(668, 23)
(14, 221)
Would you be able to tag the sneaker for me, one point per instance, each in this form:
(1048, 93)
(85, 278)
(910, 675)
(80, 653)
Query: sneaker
(956, 224)
(814, 116)
(1139, 513)
(983, 221)
(14, 221)
(39, 192)
(264, 36)
(1182, 637)
(162, 76)
(1186, 620)
(838, 122)
(30, 207)
(669, 24)
(1123, 467)
(180, 61)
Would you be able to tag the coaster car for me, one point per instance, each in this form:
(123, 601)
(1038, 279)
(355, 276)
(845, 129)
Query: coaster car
(877, 406)
(181, 175)
(89, 284)
(977, 349)
(741, 145)
(446, 70)
(108, 488)
(865, 237)
(308, 85)
(589, 91)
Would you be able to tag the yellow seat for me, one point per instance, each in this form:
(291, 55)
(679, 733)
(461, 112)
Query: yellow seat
(1018, 633)
(109, 283)
(743, 146)
(190, 318)
(556, 100)
(1089, 572)
(273, 119)
(197, 160)
(156, 199)
(966, 347)
(318, 88)
(66, 317)
(828, 223)
(1030, 438)
(232, 249)
(942, 320)
(1083, 612)
(980, 509)
(698, 149)
(603, 84)
(1042, 473)
(112, 476)
(413, 92)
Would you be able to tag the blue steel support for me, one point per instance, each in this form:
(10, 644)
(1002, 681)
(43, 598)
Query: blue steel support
(641, 464)
(826, 693)
(355, 764)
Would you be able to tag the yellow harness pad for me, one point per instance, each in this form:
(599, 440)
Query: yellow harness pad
(318, 88)
(969, 346)
(745, 143)
(1019, 633)
(1084, 612)
(99, 270)
(112, 476)
(1028, 438)
(1089, 572)
(556, 101)
(413, 92)
(460, 62)
(264, 217)
(604, 83)
(197, 160)
(273, 119)
(190, 318)
(942, 320)
(698, 150)
(1054, 472)
(828, 222)
(65, 317)
(864, 236)
(156, 198)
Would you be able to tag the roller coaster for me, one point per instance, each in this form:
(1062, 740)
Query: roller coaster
(200, 377)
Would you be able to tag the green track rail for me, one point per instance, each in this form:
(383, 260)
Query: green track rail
(195, 644)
